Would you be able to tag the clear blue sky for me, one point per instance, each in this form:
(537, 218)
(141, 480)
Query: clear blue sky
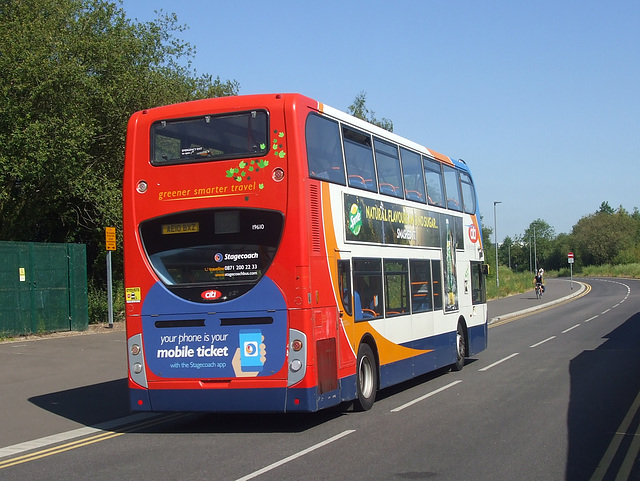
(541, 99)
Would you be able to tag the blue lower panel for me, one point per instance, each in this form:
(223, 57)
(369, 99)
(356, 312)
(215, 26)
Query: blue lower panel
(406, 369)
(477, 339)
(232, 400)
(215, 400)
(304, 400)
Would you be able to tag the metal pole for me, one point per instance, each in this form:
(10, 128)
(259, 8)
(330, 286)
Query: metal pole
(535, 250)
(109, 289)
(495, 238)
(571, 275)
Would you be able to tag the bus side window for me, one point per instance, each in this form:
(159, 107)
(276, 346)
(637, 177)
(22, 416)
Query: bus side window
(324, 151)
(436, 274)
(452, 187)
(413, 176)
(396, 282)
(478, 285)
(388, 163)
(344, 284)
(367, 288)
(359, 157)
(468, 193)
(433, 176)
(421, 299)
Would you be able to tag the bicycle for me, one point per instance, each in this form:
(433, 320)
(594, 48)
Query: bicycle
(539, 290)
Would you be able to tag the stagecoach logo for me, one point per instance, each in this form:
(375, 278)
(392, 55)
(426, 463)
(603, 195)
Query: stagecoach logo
(218, 257)
(473, 233)
(355, 219)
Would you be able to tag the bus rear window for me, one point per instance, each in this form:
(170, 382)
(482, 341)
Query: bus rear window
(224, 249)
(210, 137)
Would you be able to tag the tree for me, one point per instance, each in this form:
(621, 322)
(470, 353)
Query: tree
(606, 238)
(541, 235)
(359, 109)
(73, 71)
(605, 208)
(560, 248)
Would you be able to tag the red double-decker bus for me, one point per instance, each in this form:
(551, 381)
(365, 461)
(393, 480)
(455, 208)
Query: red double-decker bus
(281, 255)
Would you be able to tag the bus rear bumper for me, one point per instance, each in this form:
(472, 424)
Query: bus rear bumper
(231, 400)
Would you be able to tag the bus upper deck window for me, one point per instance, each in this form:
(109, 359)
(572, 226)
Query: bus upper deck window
(324, 152)
(359, 157)
(209, 137)
(388, 163)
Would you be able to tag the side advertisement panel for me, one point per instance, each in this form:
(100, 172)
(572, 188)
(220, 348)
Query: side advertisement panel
(387, 223)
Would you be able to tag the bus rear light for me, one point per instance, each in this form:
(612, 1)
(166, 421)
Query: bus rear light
(278, 174)
(142, 187)
(298, 356)
(137, 370)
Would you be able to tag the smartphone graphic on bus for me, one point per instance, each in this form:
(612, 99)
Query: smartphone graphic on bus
(250, 358)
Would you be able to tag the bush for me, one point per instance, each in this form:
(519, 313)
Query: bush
(99, 305)
(608, 270)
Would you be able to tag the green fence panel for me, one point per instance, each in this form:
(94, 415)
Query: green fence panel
(43, 288)
(78, 295)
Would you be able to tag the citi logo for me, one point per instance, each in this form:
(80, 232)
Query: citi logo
(211, 295)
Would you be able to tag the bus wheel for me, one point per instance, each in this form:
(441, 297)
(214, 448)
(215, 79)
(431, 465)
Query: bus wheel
(367, 382)
(461, 349)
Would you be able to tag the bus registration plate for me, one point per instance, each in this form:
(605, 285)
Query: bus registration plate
(181, 228)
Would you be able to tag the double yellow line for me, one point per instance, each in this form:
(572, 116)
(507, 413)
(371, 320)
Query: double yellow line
(43, 453)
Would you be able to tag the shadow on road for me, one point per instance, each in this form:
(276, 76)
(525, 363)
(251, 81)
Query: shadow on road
(88, 405)
(604, 385)
(98, 403)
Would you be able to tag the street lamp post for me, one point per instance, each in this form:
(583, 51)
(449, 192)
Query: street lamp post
(495, 237)
(535, 251)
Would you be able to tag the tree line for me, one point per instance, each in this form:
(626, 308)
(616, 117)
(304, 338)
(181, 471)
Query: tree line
(606, 237)
(73, 71)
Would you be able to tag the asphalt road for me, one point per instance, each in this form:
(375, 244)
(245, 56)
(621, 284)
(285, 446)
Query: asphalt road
(554, 397)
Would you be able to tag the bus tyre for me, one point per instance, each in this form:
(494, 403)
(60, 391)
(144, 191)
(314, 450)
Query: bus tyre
(461, 349)
(367, 378)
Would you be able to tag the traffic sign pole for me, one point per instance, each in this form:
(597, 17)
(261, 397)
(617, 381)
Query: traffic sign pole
(570, 259)
(110, 237)
(109, 289)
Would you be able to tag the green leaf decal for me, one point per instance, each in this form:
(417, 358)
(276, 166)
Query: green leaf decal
(260, 186)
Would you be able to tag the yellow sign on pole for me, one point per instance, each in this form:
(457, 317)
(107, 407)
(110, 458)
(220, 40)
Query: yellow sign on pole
(110, 233)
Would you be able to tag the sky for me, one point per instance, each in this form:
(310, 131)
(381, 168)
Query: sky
(541, 99)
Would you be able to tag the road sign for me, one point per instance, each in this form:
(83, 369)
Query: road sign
(110, 235)
(570, 257)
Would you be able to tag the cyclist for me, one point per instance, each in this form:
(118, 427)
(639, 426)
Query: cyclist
(538, 280)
